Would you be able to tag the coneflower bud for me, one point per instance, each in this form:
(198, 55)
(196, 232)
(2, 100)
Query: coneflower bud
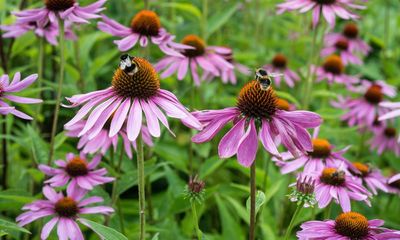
(194, 190)
(303, 193)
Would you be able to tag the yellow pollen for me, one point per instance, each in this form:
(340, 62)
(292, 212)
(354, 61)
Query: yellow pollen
(332, 176)
(146, 23)
(321, 148)
(282, 104)
(363, 168)
(352, 225)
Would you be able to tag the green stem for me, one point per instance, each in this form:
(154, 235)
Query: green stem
(328, 210)
(386, 27)
(81, 82)
(141, 185)
(4, 153)
(146, 4)
(204, 20)
(196, 221)
(40, 75)
(294, 216)
(59, 89)
(252, 201)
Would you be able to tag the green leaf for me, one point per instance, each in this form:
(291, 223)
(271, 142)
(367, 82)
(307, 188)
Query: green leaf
(210, 166)
(260, 200)
(231, 229)
(185, 8)
(156, 236)
(105, 232)
(12, 226)
(288, 96)
(219, 19)
(324, 94)
(38, 146)
(16, 196)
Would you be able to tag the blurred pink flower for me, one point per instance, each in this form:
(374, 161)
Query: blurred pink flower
(315, 160)
(68, 10)
(135, 89)
(394, 184)
(372, 177)
(332, 70)
(334, 183)
(78, 170)
(394, 111)
(94, 141)
(145, 26)
(347, 226)
(351, 34)
(386, 140)
(64, 211)
(279, 65)
(340, 46)
(208, 58)
(328, 8)
(256, 116)
(6, 92)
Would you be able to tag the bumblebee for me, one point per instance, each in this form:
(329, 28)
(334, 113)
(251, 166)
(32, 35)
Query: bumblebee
(265, 78)
(128, 65)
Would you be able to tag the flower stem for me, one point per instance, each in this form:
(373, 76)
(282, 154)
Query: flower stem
(328, 210)
(141, 185)
(59, 89)
(294, 216)
(40, 74)
(77, 49)
(4, 153)
(196, 220)
(252, 201)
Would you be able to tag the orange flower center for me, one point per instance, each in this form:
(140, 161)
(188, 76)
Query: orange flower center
(77, 167)
(197, 43)
(342, 44)
(333, 64)
(59, 5)
(352, 225)
(282, 104)
(66, 207)
(374, 94)
(363, 168)
(321, 148)
(146, 23)
(256, 103)
(390, 132)
(332, 176)
(279, 61)
(350, 30)
(142, 82)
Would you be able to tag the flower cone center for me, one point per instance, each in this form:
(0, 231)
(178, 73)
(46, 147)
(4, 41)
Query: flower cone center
(332, 176)
(326, 2)
(279, 61)
(146, 23)
(395, 184)
(342, 44)
(390, 132)
(352, 225)
(197, 43)
(321, 148)
(66, 207)
(374, 94)
(363, 168)
(59, 5)
(143, 83)
(333, 64)
(350, 30)
(282, 104)
(77, 167)
(254, 102)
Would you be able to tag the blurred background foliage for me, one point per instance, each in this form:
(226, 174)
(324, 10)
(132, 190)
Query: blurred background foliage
(255, 33)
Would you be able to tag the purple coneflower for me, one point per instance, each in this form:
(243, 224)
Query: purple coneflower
(228, 74)
(64, 211)
(6, 92)
(135, 89)
(347, 226)
(332, 70)
(386, 140)
(78, 170)
(256, 116)
(315, 160)
(334, 183)
(340, 46)
(68, 10)
(328, 8)
(373, 178)
(354, 42)
(283, 104)
(387, 89)
(208, 58)
(49, 32)
(145, 27)
(393, 113)
(279, 65)
(363, 111)
(94, 141)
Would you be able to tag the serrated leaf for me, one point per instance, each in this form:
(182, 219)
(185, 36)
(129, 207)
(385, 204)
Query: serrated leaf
(260, 200)
(12, 226)
(105, 232)
(219, 19)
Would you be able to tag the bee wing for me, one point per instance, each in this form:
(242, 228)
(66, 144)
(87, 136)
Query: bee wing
(275, 74)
